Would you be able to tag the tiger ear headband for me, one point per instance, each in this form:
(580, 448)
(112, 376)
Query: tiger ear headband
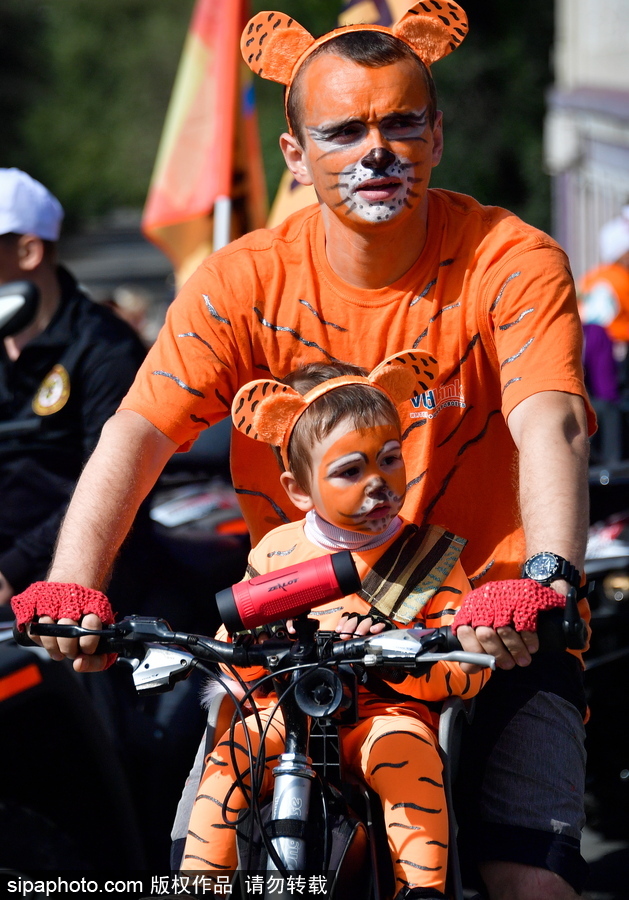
(268, 411)
(275, 46)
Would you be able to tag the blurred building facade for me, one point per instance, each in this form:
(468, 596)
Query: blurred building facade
(587, 125)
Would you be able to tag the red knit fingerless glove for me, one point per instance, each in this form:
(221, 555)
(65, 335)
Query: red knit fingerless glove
(62, 601)
(516, 602)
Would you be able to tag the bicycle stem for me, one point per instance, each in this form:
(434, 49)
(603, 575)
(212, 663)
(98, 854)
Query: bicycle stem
(291, 793)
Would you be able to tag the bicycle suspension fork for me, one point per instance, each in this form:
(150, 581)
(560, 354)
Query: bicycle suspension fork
(291, 792)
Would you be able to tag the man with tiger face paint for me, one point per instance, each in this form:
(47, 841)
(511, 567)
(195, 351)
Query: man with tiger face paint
(383, 263)
(368, 146)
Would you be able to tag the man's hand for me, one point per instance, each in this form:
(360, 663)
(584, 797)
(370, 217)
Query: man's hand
(66, 604)
(6, 590)
(509, 647)
(79, 650)
(500, 618)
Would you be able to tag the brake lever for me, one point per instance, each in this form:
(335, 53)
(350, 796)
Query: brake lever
(485, 660)
(412, 647)
(408, 648)
(160, 668)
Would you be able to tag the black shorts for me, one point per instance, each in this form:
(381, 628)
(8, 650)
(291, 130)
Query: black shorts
(520, 784)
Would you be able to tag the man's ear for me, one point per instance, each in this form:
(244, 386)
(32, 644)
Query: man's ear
(30, 252)
(296, 494)
(295, 158)
(437, 138)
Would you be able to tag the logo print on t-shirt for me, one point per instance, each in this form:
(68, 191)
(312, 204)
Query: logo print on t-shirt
(430, 403)
(52, 394)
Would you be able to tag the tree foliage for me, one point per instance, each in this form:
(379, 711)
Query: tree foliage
(90, 130)
(492, 92)
(24, 68)
(84, 89)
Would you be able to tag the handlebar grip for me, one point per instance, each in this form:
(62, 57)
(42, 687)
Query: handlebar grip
(105, 642)
(556, 632)
(558, 629)
(103, 647)
(450, 641)
(22, 638)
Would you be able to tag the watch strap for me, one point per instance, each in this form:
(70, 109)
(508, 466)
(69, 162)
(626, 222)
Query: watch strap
(565, 571)
(568, 572)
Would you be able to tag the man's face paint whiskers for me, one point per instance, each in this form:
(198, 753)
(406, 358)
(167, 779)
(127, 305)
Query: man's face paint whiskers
(377, 198)
(381, 184)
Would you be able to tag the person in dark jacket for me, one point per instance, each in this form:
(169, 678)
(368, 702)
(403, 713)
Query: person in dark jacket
(61, 378)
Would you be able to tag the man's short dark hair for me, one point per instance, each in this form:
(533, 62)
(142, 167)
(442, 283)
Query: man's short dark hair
(372, 49)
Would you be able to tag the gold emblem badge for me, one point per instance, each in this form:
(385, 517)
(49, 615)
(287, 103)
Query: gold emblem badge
(52, 394)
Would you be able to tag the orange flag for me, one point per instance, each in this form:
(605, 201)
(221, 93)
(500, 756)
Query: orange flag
(208, 182)
(291, 195)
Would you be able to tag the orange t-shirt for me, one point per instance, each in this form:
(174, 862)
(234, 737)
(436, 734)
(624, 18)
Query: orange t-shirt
(490, 297)
(609, 307)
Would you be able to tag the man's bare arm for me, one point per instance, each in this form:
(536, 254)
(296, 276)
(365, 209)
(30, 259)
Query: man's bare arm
(124, 466)
(550, 432)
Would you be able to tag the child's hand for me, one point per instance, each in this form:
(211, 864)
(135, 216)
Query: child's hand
(353, 625)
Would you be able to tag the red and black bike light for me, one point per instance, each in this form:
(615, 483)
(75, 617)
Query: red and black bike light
(288, 592)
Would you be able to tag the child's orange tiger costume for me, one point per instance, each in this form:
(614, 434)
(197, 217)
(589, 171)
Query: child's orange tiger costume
(413, 578)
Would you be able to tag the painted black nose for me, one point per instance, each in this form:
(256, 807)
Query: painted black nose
(375, 486)
(378, 158)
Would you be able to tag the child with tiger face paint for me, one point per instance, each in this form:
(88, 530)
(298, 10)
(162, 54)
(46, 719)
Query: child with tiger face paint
(349, 472)
(337, 433)
(358, 478)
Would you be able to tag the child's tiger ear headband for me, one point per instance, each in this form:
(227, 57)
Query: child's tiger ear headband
(274, 46)
(268, 410)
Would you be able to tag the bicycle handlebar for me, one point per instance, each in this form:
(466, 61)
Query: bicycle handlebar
(556, 631)
(160, 656)
(399, 648)
(130, 636)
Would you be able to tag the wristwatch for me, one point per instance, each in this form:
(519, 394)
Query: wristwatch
(546, 567)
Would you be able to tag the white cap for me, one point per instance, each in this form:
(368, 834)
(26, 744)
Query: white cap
(614, 237)
(27, 207)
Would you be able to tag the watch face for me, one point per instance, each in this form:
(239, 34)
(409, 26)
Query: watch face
(542, 566)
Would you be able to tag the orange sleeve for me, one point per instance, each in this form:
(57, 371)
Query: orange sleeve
(207, 348)
(444, 679)
(191, 373)
(532, 318)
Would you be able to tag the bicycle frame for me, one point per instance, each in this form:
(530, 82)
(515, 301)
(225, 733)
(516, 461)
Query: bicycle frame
(299, 695)
(158, 667)
(307, 688)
